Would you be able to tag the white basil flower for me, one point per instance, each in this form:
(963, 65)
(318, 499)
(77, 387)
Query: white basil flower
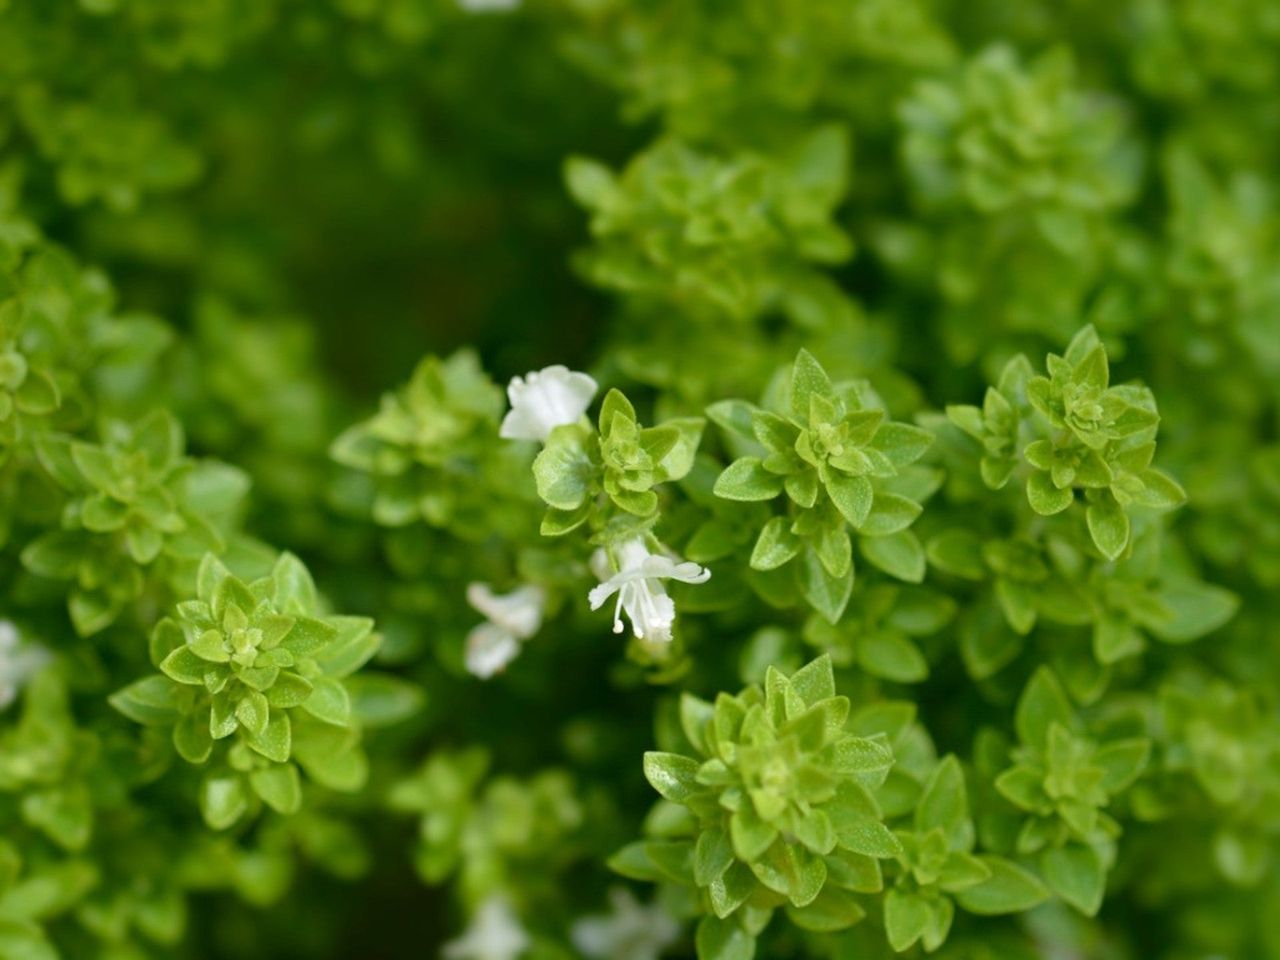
(18, 663)
(546, 399)
(638, 584)
(630, 931)
(511, 619)
(495, 933)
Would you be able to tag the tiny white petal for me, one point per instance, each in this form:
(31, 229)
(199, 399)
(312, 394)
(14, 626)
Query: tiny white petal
(489, 650)
(545, 399)
(638, 583)
(18, 662)
(495, 933)
(630, 931)
(518, 612)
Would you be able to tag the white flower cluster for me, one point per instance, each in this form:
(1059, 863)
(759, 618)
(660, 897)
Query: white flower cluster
(541, 401)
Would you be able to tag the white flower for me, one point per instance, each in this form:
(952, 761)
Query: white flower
(629, 932)
(512, 617)
(494, 934)
(17, 663)
(518, 612)
(545, 399)
(638, 584)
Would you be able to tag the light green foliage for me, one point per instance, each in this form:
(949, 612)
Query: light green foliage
(780, 807)
(1091, 437)
(837, 462)
(937, 341)
(495, 837)
(1063, 780)
(725, 239)
(430, 449)
(608, 477)
(252, 685)
(133, 500)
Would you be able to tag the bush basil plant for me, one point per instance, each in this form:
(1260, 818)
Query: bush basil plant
(637, 479)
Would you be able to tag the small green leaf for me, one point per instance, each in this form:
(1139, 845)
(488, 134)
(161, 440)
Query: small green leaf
(279, 787)
(1045, 498)
(808, 379)
(899, 554)
(329, 702)
(275, 742)
(1042, 704)
(1109, 528)
(223, 799)
(1010, 889)
(152, 701)
(1076, 874)
(775, 546)
(746, 479)
(852, 496)
(673, 776)
(723, 940)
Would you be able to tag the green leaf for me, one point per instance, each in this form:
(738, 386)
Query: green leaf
(815, 681)
(1122, 762)
(718, 939)
(808, 379)
(353, 647)
(775, 546)
(1042, 704)
(279, 787)
(891, 656)
(615, 405)
(902, 443)
(56, 555)
(944, 805)
(827, 594)
(152, 701)
(1109, 528)
(590, 182)
(1076, 874)
(654, 861)
(733, 416)
(380, 699)
(184, 666)
(746, 479)
(1010, 889)
(959, 553)
(308, 636)
(890, 514)
(295, 592)
(192, 740)
(1198, 610)
(899, 554)
(64, 814)
(223, 799)
(276, 741)
(852, 496)
(253, 712)
(329, 702)
(673, 776)
(289, 690)
(1045, 498)
(751, 836)
(712, 856)
(906, 916)
(833, 910)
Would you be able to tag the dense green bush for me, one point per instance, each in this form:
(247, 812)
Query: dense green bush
(902, 374)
